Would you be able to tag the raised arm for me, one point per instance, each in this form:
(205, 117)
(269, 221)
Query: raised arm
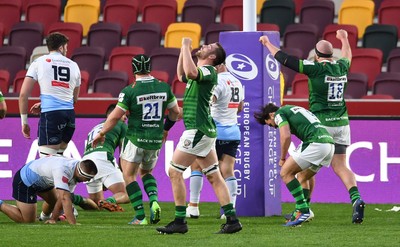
(189, 68)
(346, 49)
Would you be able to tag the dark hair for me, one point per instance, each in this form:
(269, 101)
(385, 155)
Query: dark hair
(264, 112)
(89, 167)
(110, 109)
(220, 54)
(55, 40)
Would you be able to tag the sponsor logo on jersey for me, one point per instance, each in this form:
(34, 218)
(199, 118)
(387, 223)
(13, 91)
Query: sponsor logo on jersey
(64, 179)
(152, 97)
(241, 66)
(48, 60)
(272, 67)
(336, 79)
(205, 71)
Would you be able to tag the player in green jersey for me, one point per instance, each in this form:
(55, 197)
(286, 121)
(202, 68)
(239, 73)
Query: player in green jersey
(108, 175)
(327, 83)
(3, 106)
(197, 142)
(315, 151)
(146, 100)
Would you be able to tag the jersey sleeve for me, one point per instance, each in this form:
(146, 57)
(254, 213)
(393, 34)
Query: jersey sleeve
(218, 89)
(206, 73)
(344, 63)
(33, 70)
(280, 119)
(124, 99)
(309, 68)
(171, 101)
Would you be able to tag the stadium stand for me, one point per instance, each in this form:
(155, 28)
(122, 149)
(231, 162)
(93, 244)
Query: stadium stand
(38, 51)
(367, 61)
(288, 74)
(382, 37)
(12, 59)
(85, 12)
(212, 33)
(387, 83)
(18, 81)
(323, 11)
(124, 12)
(199, 11)
(279, 12)
(10, 14)
(165, 59)
(111, 82)
(106, 35)
(163, 12)
(330, 35)
(301, 36)
(300, 84)
(43, 11)
(27, 35)
(177, 31)
(389, 12)
(146, 35)
(393, 61)
(357, 86)
(364, 10)
(89, 58)
(232, 13)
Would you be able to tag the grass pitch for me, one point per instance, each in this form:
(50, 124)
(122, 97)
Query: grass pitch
(331, 227)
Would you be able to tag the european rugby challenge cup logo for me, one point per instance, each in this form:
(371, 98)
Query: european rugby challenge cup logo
(241, 66)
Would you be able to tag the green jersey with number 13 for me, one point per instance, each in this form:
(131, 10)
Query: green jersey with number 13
(327, 82)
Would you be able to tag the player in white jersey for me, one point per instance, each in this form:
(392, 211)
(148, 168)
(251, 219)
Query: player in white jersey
(53, 178)
(59, 80)
(228, 99)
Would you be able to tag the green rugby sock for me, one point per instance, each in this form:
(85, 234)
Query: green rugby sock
(136, 199)
(354, 194)
(297, 192)
(150, 186)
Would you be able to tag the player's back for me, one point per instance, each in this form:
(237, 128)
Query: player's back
(57, 76)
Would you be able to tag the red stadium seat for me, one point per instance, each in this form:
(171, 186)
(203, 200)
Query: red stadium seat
(10, 13)
(74, 32)
(300, 84)
(46, 12)
(121, 60)
(232, 13)
(163, 12)
(124, 12)
(110, 82)
(330, 35)
(367, 61)
(4, 81)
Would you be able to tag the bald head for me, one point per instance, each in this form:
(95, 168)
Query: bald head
(324, 48)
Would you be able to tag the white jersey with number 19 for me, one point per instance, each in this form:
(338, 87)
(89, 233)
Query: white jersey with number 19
(57, 76)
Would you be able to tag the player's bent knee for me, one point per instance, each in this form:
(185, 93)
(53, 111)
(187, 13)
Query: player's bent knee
(211, 169)
(176, 167)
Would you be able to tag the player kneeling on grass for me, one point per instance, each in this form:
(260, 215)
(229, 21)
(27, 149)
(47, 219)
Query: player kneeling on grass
(53, 178)
(315, 151)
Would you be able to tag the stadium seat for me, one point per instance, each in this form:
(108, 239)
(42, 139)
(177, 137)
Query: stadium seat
(10, 14)
(298, 4)
(84, 88)
(12, 59)
(300, 84)
(39, 51)
(178, 88)
(357, 86)
(18, 81)
(180, 6)
(121, 59)
(163, 12)
(4, 81)
(301, 36)
(106, 35)
(367, 61)
(393, 61)
(267, 27)
(27, 35)
(74, 32)
(387, 83)
(362, 9)
(377, 6)
(378, 97)
(43, 11)
(110, 82)
(330, 35)
(146, 35)
(85, 12)
(389, 12)
(212, 33)
(160, 75)
(124, 12)
(279, 12)
(232, 13)
(177, 31)
(199, 11)
(382, 37)
(89, 58)
(319, 13)
(165, 59)
(288, 74)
